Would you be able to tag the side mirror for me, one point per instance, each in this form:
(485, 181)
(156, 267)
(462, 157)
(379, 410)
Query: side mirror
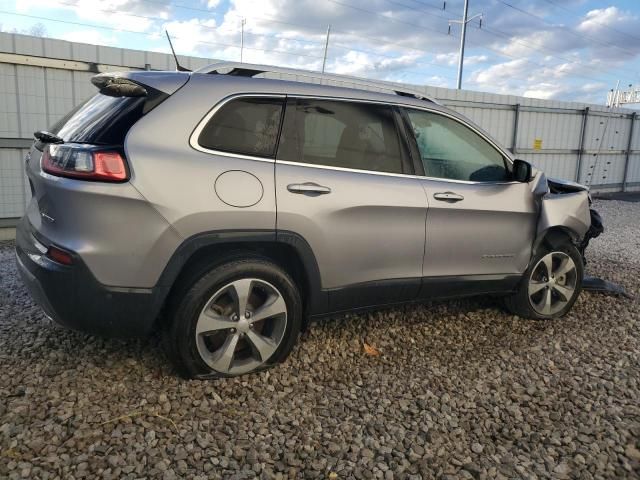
(521, 171)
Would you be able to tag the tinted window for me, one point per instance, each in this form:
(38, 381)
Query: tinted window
(342, 134)
(101, 120)
(453, 151)
(247, 126)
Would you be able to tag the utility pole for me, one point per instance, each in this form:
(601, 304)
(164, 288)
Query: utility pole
(326, 48)
(465, 20)
(244, 20)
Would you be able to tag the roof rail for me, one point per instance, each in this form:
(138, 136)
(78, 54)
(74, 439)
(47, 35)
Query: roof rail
(251, 70)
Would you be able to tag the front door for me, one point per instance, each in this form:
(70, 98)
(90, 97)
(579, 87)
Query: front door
(343, 183)
(480, 224)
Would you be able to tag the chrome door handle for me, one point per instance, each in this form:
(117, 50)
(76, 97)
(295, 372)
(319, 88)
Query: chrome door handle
(308, 188)
(448, 197)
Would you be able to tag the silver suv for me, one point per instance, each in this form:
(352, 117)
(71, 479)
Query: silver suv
(228, 210)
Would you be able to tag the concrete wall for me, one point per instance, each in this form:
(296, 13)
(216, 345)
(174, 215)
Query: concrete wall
(42, 79)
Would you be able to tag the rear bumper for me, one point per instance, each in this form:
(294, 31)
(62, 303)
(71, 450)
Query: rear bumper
(72, 297)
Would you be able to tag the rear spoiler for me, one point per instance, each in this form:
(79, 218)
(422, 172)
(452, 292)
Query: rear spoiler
(118, 87)
(139, 83)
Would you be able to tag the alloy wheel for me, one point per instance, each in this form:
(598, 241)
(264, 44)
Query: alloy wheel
(241, 326)
(552, 283)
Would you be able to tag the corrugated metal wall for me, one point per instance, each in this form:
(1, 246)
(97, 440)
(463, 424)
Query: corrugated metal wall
(575, 141)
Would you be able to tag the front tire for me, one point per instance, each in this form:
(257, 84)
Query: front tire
(239, 317)
(551, 284)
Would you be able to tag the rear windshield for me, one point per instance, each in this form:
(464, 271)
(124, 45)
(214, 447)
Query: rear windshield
(101, 120)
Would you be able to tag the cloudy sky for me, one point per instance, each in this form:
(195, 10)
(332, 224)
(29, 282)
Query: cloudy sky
(555, 49)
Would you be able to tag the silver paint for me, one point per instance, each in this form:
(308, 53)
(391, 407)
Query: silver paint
(238, 188)
(567, 210)
(370, 226)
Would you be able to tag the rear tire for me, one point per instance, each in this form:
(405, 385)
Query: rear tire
(551, 284)
(240, 316)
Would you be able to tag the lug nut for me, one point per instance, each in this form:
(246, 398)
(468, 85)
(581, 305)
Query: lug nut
(234, 317)
(247, 314)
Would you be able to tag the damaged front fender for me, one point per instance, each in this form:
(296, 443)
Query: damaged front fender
(569, 211)
(565, 205)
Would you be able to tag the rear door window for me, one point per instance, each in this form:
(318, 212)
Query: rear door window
(247, 126)
(343, 134)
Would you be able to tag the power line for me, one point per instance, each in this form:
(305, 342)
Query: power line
(540, 64)
(150, 34)
(371, 52)
(497, 32)
(201, 25)
(421, 10)
(154, 35)
(342, 47)
(297, 25)
(562, 7)
(318, 28)
(494, 32)
(537, 47)
(279, 37)
(488, 48)
(428, 5)
(567, 30)
(386, 17)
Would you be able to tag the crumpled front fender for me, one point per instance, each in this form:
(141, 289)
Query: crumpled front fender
(567, 210)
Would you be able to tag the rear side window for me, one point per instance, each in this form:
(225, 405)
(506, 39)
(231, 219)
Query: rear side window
(104, 120)
(342, 134)
(246, 126)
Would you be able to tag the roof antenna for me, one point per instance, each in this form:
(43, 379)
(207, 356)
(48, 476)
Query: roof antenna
(179, 67)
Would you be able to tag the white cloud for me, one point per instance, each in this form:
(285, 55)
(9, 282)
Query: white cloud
(546, 91)
(593, 87)
(600, 18)
(450, 58)
(475, 59)
(91, 36)
(120, 14)
(398, 43)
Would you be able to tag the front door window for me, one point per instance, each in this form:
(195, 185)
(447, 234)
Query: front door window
(452, 151)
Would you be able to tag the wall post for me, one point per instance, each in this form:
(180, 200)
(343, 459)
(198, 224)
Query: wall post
(516, 120)
(583, 131)
(627, 157)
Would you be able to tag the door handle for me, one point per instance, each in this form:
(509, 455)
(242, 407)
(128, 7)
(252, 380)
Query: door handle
(450, 197)
(308, 188)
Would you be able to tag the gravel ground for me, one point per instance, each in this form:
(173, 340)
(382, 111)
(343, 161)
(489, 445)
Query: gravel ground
(460, 390)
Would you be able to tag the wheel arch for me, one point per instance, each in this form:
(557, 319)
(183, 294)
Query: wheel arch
(288, 250)
(554, 236)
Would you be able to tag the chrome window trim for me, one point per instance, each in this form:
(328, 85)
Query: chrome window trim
(193, 139)
(388, 174)
(345, 169)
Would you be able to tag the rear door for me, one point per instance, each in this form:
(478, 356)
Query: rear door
(480, 223)
(344, 183)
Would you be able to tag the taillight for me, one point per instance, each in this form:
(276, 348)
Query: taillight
(60, 256)
(78, 161)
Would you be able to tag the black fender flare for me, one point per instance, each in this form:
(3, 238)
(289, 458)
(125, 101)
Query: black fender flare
(317, 301)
